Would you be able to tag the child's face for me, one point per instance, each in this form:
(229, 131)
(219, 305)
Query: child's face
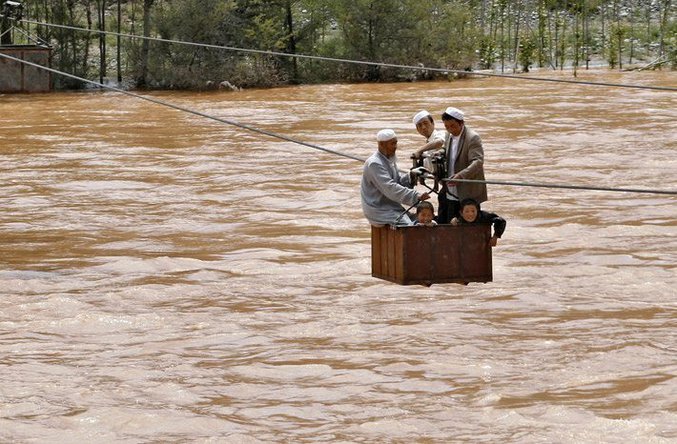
(425, 216)
(469, 213)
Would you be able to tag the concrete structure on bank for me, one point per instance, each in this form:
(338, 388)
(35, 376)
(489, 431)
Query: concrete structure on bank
(18, 77)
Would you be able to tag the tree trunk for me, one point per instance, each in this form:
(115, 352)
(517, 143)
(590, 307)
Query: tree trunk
(632, 42)
(48, 19)
(119, 43)
(101, 6)
(617, 13)
(508, 43)
(647, 38)
(603, 31)
(502, 12)
(142, 81)
(291, 41)
(551, 54)
(517, 33)
(493, 28)
(562, 49)
(72, 41)
(374, 73)
(556, 39)
(586, 35)
(541, 33)
(576, 43)
(664, 23)
(88, 38)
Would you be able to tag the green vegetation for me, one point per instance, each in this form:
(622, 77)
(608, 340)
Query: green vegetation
(508, 36)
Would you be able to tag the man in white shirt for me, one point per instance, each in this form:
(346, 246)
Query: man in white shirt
(425, 125)
(384, 188)
(434, 141)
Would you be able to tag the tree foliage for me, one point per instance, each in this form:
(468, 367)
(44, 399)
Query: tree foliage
(450, 34)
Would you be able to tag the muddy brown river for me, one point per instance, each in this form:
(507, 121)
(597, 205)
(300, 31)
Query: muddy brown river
(165, 278)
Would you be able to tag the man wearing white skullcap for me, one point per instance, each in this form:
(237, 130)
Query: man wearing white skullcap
(420, 116)
(385, 135)
(434, 140)
(384, 188)
(465, 157)
(425, 125)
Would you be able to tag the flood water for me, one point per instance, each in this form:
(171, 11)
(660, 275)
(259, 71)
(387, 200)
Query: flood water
(168, 278)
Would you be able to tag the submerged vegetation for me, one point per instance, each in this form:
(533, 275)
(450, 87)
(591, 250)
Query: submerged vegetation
(508, 36)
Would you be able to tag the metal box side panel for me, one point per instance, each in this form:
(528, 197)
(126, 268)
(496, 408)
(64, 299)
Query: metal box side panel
(430, 255)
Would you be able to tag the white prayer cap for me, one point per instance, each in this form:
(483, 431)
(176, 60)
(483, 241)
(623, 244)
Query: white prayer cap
(385, 134)
(420, 116)
(454, 112)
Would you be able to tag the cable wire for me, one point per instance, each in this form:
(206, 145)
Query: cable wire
(357, 62)
(563, 186)
(310, 145)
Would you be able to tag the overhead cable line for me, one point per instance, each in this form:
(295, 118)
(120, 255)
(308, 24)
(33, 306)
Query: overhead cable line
(567, 187)
(356, 62)
(311, 145)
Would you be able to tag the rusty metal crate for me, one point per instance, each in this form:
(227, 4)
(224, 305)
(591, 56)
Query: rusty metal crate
(431, 255)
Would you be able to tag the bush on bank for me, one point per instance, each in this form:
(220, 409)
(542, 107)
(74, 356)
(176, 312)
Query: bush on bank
(509, 36)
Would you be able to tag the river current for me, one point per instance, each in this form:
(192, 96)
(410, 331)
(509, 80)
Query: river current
(169, 278)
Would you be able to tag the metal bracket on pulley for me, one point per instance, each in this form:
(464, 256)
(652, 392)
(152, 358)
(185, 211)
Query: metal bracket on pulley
(12, 10)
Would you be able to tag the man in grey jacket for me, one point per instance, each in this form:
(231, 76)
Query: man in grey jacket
(465, 157)
(384, 189)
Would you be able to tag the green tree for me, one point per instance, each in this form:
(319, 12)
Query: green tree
(453, 34)
(367, 29)
(181, 66)
(526, 53)
(457, 38)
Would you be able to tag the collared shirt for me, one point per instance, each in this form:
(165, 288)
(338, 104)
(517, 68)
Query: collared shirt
(384, 189)
(452, 192)
(435, 135)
